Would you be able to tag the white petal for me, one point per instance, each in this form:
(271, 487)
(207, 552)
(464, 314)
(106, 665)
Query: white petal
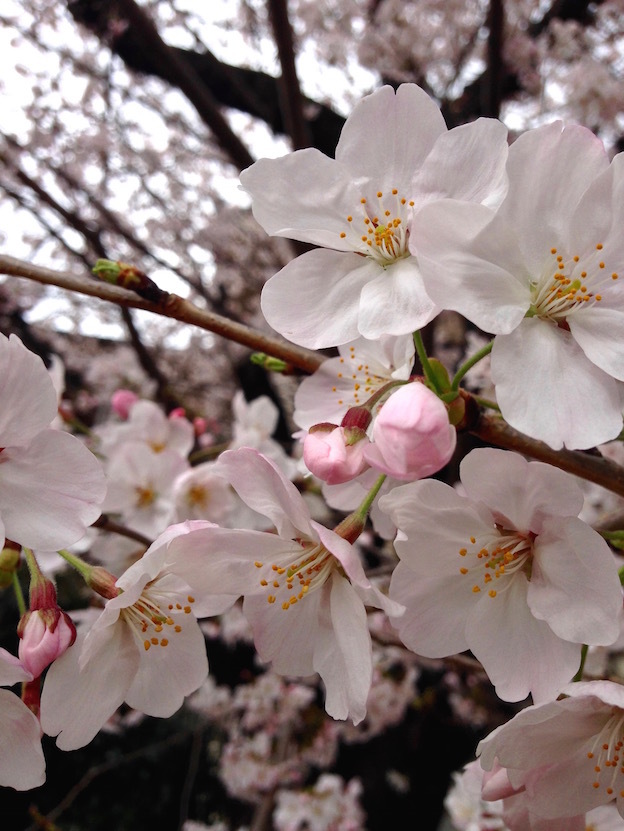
(304, 195)
(549, 169)
(470, 262)
(165, 675)
(395, 302)
(574, 583)
(76, 703)
(22, 765)
(467, 163)
(343, 653)
(388, 136)
(548, 389)
(28, 397)
(50, 491)
(516, 491)
(600, 334)
(314, 300)
(520, 654)
(262, 486)
(286, 637)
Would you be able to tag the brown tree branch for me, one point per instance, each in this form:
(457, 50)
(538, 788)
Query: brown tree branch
(290, 91)
(595, 469)
(171, 306)
(184, 77)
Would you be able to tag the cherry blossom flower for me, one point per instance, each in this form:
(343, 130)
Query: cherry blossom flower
(140, 486)
(566, 753)
(362, 368)
(22, 765)
(253, 426)
(145, 648)
(145, 422)
(508, 571)
(304, 588)
(51, 486)
(542, 274)
(394, 155)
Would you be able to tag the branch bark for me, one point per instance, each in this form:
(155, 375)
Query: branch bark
(171, 306)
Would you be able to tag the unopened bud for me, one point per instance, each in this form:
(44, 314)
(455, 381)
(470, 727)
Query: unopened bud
(122, 401)
(359, 417)
(335, 454)
(45, 634)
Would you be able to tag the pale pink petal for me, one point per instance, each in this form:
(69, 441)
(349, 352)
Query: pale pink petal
(262, 486)
(165, 675)
(50, 491)
(11, 669)
(304, 195)
(28, 397)
(76, 703)
(549, 169)
(428, 627)
(600, 334)
(22, 765)
(574, 583)
(286, 637)
(547, 388)
(388, 135)
(301, 301)
(519, 493)
(520, 654)
(470, 263)
(343, 653)
(467, 163)
(543, 735)
(395, 302)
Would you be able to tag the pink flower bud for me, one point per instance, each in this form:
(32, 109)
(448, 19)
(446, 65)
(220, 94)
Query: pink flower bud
(122, 402)
(178, 412)
(412, 437)
(45, 636)
(335, 454)
(200, 425)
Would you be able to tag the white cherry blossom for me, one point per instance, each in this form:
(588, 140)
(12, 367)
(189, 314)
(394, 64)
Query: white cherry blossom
(543, 275)
(507, 571)
(394, 155)
(304, 587)
(145, 648)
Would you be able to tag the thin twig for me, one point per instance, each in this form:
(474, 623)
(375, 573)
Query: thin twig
(171, 306)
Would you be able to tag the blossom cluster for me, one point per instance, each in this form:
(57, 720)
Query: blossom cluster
(409, 220)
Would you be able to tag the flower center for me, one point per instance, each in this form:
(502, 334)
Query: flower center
(567, 286)
(365, 383)
(606, 754)
(292, 580)
(380, 232)
(154, 617)
(144, 496)
(499, 558)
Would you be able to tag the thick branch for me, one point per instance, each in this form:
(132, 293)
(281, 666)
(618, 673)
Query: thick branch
(595, 469)
(290, 97)
(172, 306)
(184, 76)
